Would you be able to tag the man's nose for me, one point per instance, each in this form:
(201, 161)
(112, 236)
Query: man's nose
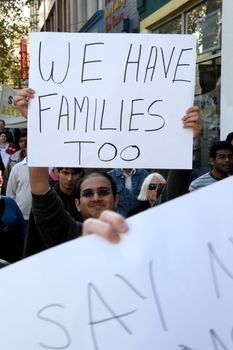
(69, 177)
(96, 196)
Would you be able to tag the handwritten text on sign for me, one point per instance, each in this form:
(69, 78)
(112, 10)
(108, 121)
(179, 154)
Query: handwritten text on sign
(167, 285)
(106, 100)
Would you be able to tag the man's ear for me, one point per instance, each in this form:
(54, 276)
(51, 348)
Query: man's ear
(56, 171)
(77, 204)
(211, 161)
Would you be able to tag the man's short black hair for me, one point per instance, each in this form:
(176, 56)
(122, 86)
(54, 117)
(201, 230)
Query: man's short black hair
(75, 170)
(90, 175)
(229, 137)
(22, 134)
(220, 145)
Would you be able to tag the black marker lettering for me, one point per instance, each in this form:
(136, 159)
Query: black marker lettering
(85, 62)
(40, 315)
(121, 114)
(137, 62)
(156, 299)
(113, 316)
(151, 66)
(214, 258)
(102, 119)
(85, 102)
(109, 146)
(96, 103)
(65, 114)
(52, 69)
(130, 286)
(133, 114)
(43, 109)
(79, 148)
(181, 65)
(217, 342)
(166, 69)
(156, 115)
(129, 157)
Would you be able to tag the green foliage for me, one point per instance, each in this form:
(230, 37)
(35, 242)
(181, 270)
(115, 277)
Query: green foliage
(13, 27)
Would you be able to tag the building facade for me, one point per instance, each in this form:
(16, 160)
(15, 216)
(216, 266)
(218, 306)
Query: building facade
(111, 16)
(203, 19)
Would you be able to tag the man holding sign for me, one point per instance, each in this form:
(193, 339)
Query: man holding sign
(61, 227)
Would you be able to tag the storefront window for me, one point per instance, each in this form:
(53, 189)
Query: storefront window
(208, 100)
(204, 21)
(173, 27)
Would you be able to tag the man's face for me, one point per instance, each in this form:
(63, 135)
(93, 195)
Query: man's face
(23, 143)
(95, 196)
(223, 161)
(68, 179)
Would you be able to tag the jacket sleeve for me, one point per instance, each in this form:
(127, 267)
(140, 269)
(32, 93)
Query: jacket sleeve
(49, 224)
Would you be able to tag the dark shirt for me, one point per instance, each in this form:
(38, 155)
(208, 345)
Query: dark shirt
(49, 224)
(69, 203)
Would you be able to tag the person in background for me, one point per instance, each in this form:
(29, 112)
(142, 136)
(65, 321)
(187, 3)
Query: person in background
(53, 178)
(18, 156)
(150, 191)
(96, 192)
(49, 224)
(7, 148)
(7, 131)
(12, 229)
(221, 160)
(66, 188)
(229, 138)
(129, 182)
(18, 187)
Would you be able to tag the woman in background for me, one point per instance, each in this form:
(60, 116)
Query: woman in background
(7, 148)
(150, 191)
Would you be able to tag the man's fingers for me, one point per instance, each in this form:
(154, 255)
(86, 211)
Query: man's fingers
(21, 100)
(116, 220)
(109, 226)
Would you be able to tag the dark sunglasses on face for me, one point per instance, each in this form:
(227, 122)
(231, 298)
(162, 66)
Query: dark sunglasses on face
(102, 192)
(154, 186)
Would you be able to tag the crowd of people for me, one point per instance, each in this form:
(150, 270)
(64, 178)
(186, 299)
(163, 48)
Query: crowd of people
(42, 207)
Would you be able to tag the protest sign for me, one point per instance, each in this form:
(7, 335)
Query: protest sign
(167, 285)
(8, 112)
(111, 100)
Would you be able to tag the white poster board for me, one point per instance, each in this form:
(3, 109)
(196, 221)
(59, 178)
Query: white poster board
(8, 112)
(167, 285)
(111, 100)
(226, 121)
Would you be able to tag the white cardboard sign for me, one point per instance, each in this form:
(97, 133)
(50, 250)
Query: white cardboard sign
(167, 285)
(110, 100)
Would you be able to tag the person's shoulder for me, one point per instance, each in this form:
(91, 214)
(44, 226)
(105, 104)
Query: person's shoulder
(15, 156)
(204, 176)
(115, 171)
(9, 200)
(141, 171)
(201, 181)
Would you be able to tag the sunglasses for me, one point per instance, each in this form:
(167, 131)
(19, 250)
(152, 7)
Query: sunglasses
(102, 192)
(154, 186)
